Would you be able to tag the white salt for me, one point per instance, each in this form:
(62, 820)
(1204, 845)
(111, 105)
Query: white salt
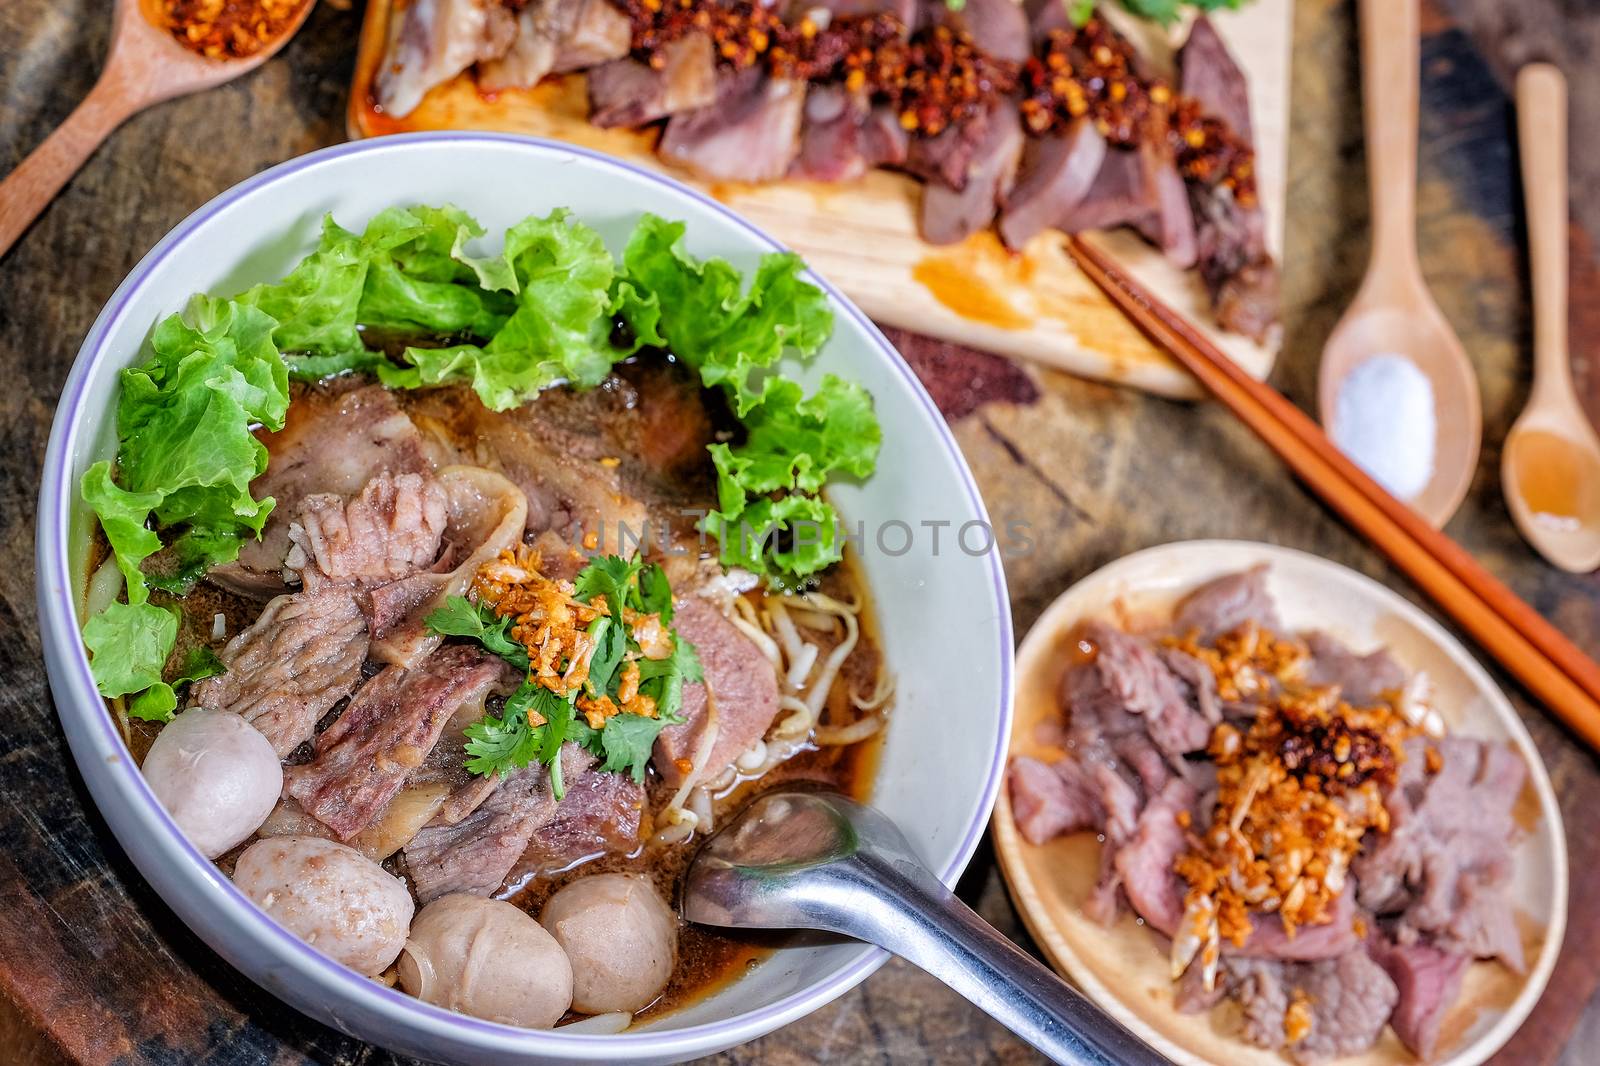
(1383, 420)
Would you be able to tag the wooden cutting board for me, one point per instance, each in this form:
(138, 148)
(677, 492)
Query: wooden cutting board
(862, 235)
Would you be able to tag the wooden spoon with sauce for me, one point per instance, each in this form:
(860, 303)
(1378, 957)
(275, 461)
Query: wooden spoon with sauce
(1393, 313)
(1550, 470)
(145, 65)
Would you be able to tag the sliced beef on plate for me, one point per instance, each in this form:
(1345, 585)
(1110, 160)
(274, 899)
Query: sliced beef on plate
(751, 132)
(884, 142)
(391, 725)
(1126, 688)
(437, 40)
(554, 36)
(627, 92)
(1428, 980)
(744, 686)
(1222, 605)
(832, 136)
(599, 815)
(390, 531)
(949, 215)
(486, 515)
(300, 657)
(1443, 868)
(1330, 939)
(1056, 172)
(1362, 679)
(1235, 264)
(475, 854)
(337, 437)
(1144, 862)
(1049, 799)
(1122, 807)
(1197, 681)
(1139, 187)
(998, 27)
(948, 157)
(1350, 999)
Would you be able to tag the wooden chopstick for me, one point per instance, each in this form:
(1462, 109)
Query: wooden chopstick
(1565, 679)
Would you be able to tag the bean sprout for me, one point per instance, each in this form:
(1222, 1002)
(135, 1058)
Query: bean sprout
(608, 1024)
(881, 692)
(858, 730)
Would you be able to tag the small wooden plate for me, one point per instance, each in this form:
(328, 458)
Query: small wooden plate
(1124, 968)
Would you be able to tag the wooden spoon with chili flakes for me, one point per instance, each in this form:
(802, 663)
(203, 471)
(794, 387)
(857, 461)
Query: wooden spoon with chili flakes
(160, 49)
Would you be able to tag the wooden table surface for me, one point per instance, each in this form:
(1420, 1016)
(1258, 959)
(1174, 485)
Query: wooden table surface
(95, 969)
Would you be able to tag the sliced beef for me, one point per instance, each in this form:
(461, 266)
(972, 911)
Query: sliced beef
(626, 92)
(949, 215)
(1119, 195)
(1144, 863)
(1350, 999)
(884, 142)
(475, 855)
(1428, 980)
(1444, 867)
(386, 732)
(1125, 688)
(437, 40)
(1049, 799)
(1223, 605)
(1122, 808)
(1197, 681)
(745, 690)
(949, 156)
(337, 437)
(831, 139)
(751, 132)
(300, 657)
(485, 515)
(998, 27)
(599, 815)
(554, 36)
(1269, 940)
(1055, 174)
(390, 531)
(1235, 264)
(1362, 679)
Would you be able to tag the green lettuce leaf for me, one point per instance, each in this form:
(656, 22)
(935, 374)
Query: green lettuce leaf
(128, 646)
(711, 321)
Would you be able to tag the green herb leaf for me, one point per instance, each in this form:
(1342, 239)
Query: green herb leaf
(610, 576)
(627, 741)
(663, 679)
(655, 594)
(460, 617)
(200, 663)
(154, 704)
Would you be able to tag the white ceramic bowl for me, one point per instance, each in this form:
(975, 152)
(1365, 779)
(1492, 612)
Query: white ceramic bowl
(1124, 967)
(945, 621)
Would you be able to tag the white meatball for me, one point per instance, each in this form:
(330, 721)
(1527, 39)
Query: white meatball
(620, 937)
(486, 958)
(332, 897)
(216, 775)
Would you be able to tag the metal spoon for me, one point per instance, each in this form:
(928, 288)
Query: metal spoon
(1393, 311)
(1550, 470)
(815, 860)
(144, 66)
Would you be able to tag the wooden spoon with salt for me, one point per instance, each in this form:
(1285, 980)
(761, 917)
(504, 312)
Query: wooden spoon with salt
(1550, 470)
(1393, 313)
(144, 66)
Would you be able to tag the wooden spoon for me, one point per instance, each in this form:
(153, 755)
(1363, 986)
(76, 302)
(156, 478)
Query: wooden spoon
(144, 66)
(1550, 470)
(1393, 312)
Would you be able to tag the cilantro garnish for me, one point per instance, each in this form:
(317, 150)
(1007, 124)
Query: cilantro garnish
(536, 721)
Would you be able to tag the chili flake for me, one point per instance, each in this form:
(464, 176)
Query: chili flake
(228, 29)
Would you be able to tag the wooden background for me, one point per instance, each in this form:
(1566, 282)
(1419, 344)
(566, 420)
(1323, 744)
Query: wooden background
(94, 969)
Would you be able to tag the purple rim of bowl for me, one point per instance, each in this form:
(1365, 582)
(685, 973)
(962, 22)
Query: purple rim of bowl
(59, 615)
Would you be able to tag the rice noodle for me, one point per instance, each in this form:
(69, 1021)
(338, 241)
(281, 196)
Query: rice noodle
(823, 682)
(609, 1024)
(860, 729)
(800, 666)
(747, 623)
(880, 695)
(700, 805)
(821, 621)
(697, 764)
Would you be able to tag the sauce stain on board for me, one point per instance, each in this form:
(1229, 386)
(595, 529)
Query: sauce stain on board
(971, 279)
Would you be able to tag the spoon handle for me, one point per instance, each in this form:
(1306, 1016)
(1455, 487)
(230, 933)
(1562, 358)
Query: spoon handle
(28, 190)
(1391, 44)
(1542, 140)
(930, 927)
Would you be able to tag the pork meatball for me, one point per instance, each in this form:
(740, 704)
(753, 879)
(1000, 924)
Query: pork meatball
(332, 897)
(216, 775)
(488, 959)
(620, 937)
